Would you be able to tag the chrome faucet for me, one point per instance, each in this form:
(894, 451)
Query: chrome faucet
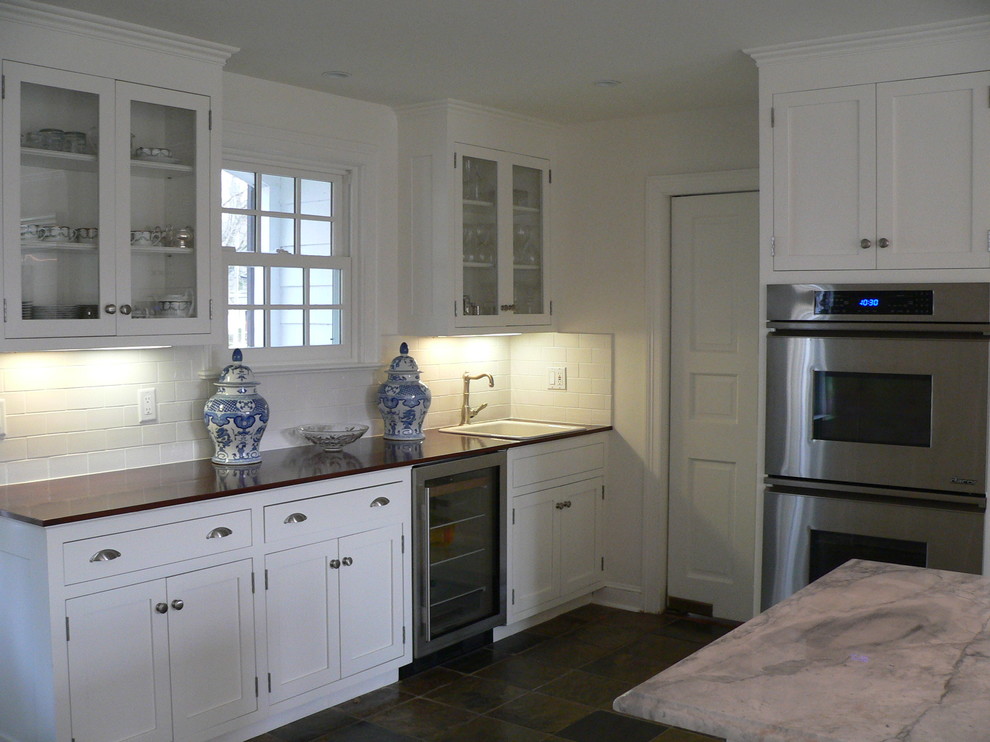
(466, 412)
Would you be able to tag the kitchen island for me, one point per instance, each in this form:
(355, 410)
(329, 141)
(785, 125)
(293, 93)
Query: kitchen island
(868, 653)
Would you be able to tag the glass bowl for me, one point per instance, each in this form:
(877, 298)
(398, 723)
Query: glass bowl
(332, 437)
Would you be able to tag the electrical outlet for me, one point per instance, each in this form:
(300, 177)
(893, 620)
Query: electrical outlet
(557, 377)
(147, 406)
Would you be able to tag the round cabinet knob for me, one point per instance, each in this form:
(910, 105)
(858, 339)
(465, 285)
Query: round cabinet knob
(110, 309)
(348, 561)
(883, 242)
(178, 604)
(125, 309)
(161, 607)
(334, 564)
(865, 244)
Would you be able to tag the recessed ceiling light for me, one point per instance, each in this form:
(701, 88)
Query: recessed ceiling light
(339, 74)
(607, 83)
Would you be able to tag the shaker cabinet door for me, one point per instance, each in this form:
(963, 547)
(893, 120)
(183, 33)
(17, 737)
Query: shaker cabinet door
(118, 665)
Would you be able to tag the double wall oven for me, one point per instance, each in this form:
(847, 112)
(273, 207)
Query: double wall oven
(876, 426)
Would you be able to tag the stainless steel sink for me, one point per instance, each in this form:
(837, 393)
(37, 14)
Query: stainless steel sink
(516, 430)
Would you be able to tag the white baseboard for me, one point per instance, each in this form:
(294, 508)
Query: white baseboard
(617, 595)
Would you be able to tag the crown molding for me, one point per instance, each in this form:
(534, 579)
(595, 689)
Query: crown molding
(76, 22)
(933, 33)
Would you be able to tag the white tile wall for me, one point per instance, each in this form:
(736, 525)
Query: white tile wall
(72, 413)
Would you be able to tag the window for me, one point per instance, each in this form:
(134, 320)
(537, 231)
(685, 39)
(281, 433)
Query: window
(286, 246)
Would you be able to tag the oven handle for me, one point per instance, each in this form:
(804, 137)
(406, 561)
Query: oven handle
(824, 326)
(785, 485)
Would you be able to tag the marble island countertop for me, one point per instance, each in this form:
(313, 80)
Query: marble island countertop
(870, 652)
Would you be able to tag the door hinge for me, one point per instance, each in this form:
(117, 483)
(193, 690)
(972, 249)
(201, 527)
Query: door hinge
(403, 634)
(402, 547)
(513, 516)
(4, 310)
(603, 564)
(549, 176)
(455, 161)
(551, 307)
(5, 301)
(603, 491)
(455, 307)
(266, 579)
(67, 628)
(211, 308)
(3, 87)
(772, 117)
(773, 245)
(252, 583)
(513, 596)
(255, 686)
(269, 682)
(210, 120)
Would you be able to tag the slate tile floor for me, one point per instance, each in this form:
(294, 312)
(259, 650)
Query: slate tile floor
(554, 681)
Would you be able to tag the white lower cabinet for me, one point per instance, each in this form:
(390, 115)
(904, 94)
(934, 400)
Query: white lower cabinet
(161, 660)
(555, 539)
(334, 609)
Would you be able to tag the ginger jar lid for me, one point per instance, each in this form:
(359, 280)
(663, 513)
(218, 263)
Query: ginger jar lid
(404, 363)
(237, 374)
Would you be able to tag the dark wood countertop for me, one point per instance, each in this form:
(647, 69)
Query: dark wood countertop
(55, 501)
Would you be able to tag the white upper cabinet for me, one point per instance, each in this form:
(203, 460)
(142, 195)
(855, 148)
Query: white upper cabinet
(475, 221)
(109, 169)
(893, 175)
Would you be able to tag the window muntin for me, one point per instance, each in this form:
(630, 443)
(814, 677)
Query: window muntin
(288, 264)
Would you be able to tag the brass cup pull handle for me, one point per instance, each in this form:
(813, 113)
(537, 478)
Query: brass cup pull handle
(334, 564)
(347, 561)
(178, 604)
(105, 555)
(883, 242)
(865, 244)
(295, 518)
(161, 607)
(379, 502)
(221, 532)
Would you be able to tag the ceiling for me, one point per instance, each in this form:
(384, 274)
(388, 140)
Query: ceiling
(534, 57)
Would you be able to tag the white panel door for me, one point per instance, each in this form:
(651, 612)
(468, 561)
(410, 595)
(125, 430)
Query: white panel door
(302, 604)
(713, 392)
(211, 638)
(933, 172)
(824, 179)
(534, 552)
(118, 665)
(580, 540)
(370, 599)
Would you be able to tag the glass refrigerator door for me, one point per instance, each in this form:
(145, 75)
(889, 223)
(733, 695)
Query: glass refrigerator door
(464, 542)
(58, 202)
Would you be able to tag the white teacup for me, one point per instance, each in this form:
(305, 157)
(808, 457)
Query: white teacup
(145, 237)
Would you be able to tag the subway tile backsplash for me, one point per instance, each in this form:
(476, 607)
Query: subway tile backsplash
(72, 413)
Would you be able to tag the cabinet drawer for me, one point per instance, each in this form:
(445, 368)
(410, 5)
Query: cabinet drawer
(116, 553)
(543, 466)
(379, 504)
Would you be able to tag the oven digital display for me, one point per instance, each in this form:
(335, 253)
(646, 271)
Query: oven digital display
(913, 302)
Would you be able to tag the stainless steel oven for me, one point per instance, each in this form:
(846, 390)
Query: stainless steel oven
(876, 427)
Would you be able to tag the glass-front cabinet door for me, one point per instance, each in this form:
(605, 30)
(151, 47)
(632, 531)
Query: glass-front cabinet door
(105, 207)
(58, 202)
(164, 164)
(503, 228)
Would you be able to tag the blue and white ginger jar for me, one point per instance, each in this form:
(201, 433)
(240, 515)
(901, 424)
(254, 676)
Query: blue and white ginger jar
(403, 399)
(236, 416)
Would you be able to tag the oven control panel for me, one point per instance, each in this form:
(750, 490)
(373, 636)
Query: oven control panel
(918, 302)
